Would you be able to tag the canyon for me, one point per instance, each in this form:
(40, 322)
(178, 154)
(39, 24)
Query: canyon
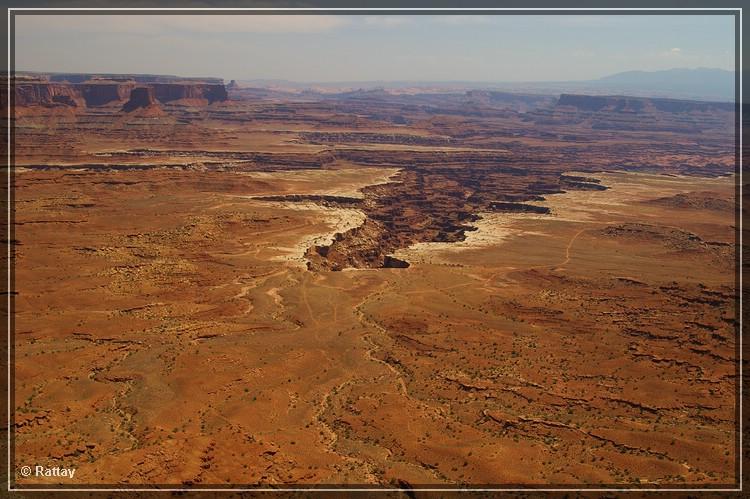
(274, 288)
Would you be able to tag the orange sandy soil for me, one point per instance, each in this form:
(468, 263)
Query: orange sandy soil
(166, 332)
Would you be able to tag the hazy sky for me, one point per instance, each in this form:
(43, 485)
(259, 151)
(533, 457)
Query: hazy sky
(349, 48)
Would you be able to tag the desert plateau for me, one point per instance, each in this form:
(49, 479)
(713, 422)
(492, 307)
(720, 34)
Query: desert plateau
(220, 284)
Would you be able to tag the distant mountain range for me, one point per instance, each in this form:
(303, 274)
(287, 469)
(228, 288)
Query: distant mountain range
(705, 84)
(708, 83)
(695, 84)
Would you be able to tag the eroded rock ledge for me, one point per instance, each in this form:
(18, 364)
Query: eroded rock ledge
(75, 95)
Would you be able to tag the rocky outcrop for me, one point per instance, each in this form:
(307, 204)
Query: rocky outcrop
(141, 98)
(581, 183)
(47, 95)
(518, 207)
(198, 94)
(322, 199)
(101, 94)
(74, 95)
(390, 262)
(97, 93)
(694, 201)
(366, 246)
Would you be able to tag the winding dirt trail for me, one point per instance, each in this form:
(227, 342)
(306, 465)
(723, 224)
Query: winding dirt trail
(568, 248)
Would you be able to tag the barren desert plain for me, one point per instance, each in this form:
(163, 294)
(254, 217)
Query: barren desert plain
(262, 287)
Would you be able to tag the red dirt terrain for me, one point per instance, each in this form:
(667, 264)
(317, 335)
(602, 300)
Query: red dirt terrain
(270, 288)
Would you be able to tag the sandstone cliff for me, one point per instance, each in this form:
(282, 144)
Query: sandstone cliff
(48, 95)
(137, 78)
(101, 94)
(142, 99)
(191, 94)
(96, 93)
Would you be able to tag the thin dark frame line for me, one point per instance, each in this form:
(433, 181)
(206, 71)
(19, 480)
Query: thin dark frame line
(737, 12)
